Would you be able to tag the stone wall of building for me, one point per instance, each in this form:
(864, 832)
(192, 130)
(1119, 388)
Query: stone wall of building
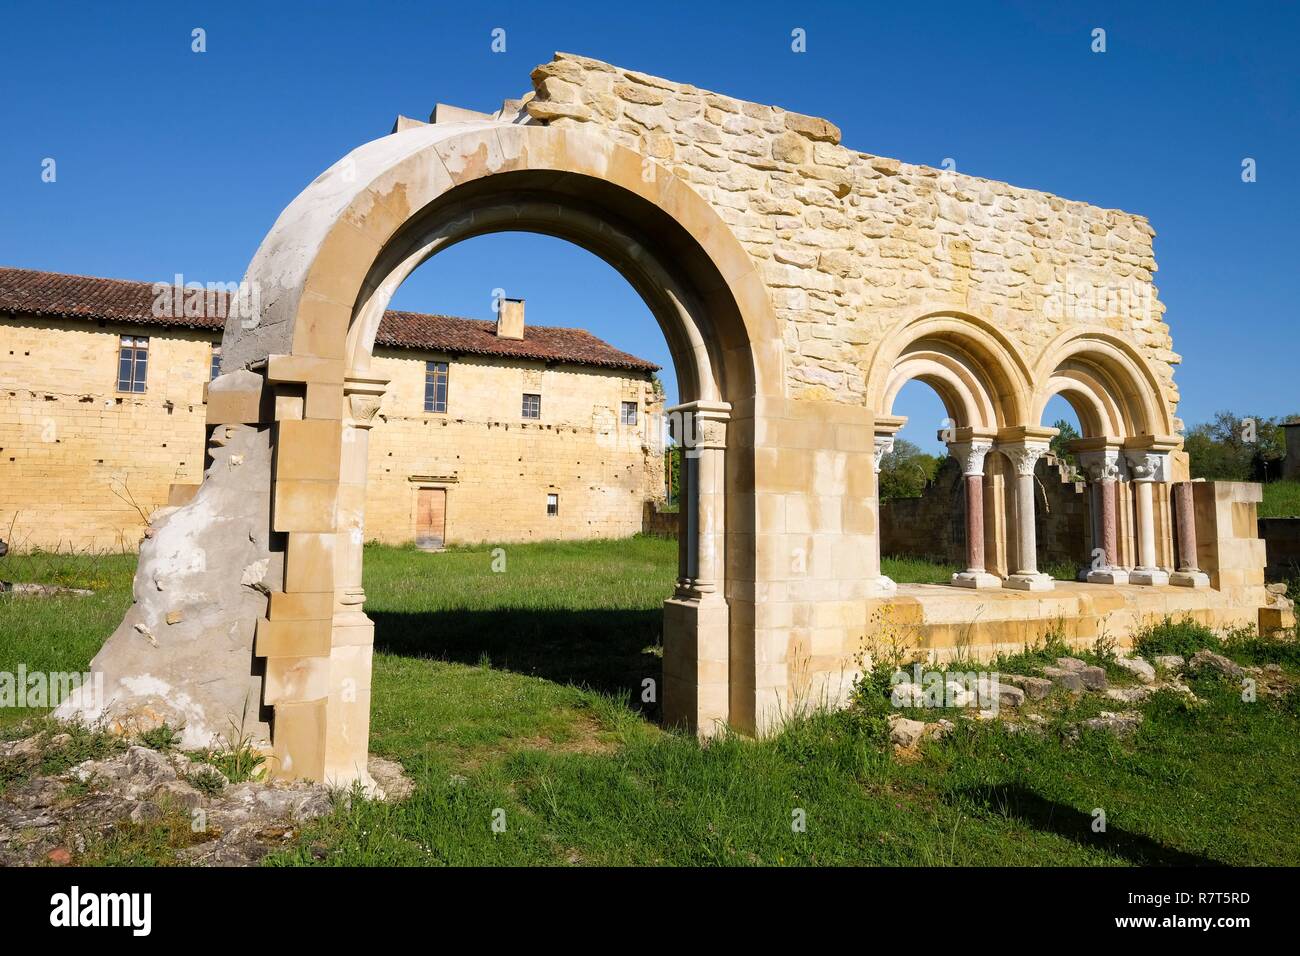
(497, 468)
(934, 524)
(81, 464)
(850, 244)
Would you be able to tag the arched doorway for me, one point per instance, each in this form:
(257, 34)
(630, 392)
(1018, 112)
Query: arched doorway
(327, 271)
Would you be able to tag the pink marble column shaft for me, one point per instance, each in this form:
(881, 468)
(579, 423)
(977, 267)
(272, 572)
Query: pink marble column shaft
(1107, 491)
(974, 523)
(1186, 517)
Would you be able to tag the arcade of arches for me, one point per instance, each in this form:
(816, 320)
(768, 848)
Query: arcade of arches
(799, 285)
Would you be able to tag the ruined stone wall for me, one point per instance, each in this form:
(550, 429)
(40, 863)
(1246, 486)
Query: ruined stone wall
(497, 467)
(934, 525)
(851, 244)
(81, 464)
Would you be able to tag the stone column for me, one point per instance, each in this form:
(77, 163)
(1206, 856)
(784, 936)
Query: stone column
(1024, 456)
(970, 455)
(353, 633)
(696, 617)
(1102, 468)
(1147, 468)
(1188, 574)
(880, 584)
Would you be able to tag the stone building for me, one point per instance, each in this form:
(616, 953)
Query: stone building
(800, 284)
(491, 432)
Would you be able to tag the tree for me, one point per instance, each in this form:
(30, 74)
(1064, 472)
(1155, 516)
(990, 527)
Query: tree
(1066, 433)
(905, 471)
(1236, 448)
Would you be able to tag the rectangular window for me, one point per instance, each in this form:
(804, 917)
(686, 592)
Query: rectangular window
(552, 505)
(629, 413)
(132, 363)
(532, 406)
(215, 370)
(435, 387)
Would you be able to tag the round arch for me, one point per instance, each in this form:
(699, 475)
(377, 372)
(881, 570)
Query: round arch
(978, 372)
(326, 273)
(1111, 385)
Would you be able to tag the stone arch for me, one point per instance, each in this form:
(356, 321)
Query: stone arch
(978, 373)
(1111, 385)
(281, 509)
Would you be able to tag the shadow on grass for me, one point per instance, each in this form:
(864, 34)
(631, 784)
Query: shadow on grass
(1019, 802)
(611, 651)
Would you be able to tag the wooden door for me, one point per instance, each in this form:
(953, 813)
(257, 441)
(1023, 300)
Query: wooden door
(430, 518)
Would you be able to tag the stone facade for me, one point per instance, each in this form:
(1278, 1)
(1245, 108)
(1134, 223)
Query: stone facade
(83, 465)
(799, 285)
(849, 244)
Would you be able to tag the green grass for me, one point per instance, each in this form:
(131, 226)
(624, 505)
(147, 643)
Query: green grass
(1281, 500)
(905, 570)
(60, 633)
(514, 697)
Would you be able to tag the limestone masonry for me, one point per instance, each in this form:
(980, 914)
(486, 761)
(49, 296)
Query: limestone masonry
(799, 285)
(84, 462)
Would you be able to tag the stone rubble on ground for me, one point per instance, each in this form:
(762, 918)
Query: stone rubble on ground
(52, 819)
(1206, 660)
(1138, 668)
(1077, 677)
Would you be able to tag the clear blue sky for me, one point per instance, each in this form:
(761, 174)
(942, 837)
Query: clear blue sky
(171, 161)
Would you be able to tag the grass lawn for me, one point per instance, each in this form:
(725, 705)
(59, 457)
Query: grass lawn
(514, 697)
(1281, 500)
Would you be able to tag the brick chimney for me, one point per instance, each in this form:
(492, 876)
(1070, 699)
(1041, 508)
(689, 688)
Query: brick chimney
(510, 320)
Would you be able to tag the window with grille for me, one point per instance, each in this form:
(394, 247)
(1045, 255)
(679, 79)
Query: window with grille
(629, 413)
(215, 370)
(552, 505)
(532, 406)
(435, 386)
(132, 363)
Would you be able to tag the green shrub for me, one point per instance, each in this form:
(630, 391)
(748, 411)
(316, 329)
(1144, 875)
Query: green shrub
(1169, 636)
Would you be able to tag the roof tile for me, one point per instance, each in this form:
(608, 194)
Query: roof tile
(56, 295)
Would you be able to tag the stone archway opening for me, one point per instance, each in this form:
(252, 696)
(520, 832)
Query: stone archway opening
(572, 621)
(281, 514)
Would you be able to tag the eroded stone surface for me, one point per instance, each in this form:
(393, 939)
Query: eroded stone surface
(196, 674)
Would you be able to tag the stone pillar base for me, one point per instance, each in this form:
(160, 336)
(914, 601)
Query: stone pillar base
(976, 579)
(1030, 582)
(696, 692)
(1107, 576)
(1148, 576)
(1190, 579)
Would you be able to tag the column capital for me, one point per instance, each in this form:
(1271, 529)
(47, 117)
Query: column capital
(883, 445)
(363, 396)
(971, 454)
(699, 425)
(1024, 454)
(1099, 464)
(1147, 465)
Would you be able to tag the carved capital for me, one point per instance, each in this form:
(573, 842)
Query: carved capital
(1147, 465)
(971, 454)
(1100, 465)
(363, 397)
(884, 444)
(698, 426)
(1024, 455)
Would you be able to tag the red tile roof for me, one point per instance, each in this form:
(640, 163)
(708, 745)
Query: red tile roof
(55, 295)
